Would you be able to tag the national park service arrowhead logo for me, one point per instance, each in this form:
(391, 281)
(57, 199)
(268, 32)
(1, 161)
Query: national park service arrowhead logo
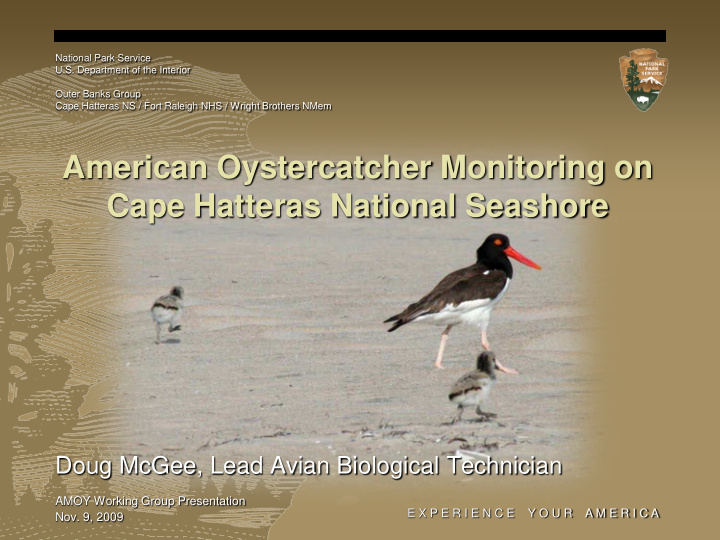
(643, 76)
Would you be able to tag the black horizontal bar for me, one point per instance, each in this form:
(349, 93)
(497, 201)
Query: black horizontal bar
(361, 36)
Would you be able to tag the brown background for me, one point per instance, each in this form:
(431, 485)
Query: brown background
(653, 259)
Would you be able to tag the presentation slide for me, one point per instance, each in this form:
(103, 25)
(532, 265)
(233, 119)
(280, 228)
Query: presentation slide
(322, 271)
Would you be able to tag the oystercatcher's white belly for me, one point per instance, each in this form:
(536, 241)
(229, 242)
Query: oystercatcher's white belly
(473, 312)
(162, 315)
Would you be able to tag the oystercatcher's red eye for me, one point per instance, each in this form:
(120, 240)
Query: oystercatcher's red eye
(498, 242)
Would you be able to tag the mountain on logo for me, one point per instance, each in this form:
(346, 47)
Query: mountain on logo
(650, 83)
(651, 80)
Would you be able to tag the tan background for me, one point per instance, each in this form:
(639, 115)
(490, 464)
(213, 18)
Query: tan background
(653, 259)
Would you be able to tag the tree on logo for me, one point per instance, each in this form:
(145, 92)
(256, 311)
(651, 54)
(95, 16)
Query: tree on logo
(632, 76)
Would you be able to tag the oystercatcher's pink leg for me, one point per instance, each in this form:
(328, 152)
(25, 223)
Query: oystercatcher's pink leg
(498, 365)
(485, 344)
(443, 340)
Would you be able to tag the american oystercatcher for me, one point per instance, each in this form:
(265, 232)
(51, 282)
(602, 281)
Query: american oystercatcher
(468, 295)
(472, 389)
(168, 310)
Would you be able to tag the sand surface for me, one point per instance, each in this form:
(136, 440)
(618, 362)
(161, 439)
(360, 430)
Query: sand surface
(283, 350)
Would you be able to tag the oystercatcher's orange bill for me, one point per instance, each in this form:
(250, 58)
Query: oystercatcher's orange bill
(510, 252)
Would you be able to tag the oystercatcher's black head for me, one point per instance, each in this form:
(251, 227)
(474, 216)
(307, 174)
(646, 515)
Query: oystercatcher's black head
(486, 362)
(494, 253)
(177, 291)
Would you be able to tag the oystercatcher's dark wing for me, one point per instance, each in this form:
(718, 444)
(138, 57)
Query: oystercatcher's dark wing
(464, 285)
(470, 382)
(168, 302)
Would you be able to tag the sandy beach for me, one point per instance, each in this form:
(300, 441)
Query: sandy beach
(283, 351)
